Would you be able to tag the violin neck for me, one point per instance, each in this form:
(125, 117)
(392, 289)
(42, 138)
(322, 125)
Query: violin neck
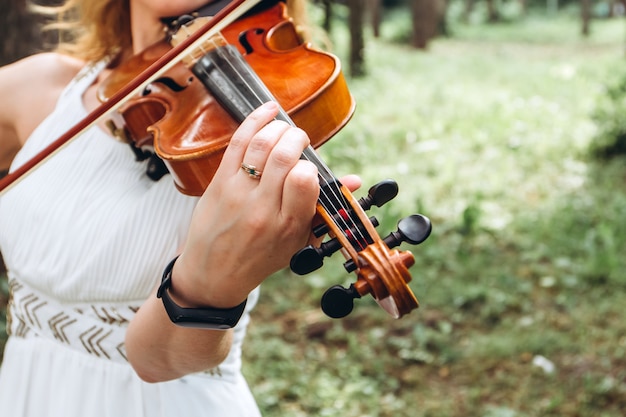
(231, 80)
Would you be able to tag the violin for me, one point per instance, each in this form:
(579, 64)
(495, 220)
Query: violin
(185, 96)
(177, 117)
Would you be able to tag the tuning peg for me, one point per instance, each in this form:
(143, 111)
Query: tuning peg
(413, 229)
(338, 302)
(379, 194)
(310, 258)
(320, 230)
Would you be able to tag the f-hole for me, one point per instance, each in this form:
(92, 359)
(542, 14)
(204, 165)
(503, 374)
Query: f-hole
(245, 42)
(169, 83)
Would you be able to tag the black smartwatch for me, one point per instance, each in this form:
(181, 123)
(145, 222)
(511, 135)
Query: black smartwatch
(200, 318)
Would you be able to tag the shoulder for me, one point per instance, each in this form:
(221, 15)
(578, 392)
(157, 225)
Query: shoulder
(49, 69)
(29, 89)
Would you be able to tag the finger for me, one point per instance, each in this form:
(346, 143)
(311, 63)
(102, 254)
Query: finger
(300, 193)
(234, 153)
(262, 144)
(352, 182)
(283, 157)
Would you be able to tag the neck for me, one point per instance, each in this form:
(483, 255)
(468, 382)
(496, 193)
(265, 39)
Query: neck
(147, 28)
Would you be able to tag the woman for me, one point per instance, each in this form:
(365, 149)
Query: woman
(86, 238)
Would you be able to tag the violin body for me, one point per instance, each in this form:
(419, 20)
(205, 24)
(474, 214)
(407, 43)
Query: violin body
(189, 129)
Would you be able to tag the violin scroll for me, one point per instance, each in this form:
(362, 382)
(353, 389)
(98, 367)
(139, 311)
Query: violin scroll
(381, 272)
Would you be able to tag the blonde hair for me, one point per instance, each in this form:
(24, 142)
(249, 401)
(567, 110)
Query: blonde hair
(94, 29)
(90, 29)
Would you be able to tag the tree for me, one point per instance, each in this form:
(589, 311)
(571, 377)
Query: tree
(374, 9)
(585, 15)
(20, 30)
(327, 5)
(357, 43)
(428, 17)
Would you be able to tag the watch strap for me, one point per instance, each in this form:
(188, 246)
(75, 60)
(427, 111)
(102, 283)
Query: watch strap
(203, 317)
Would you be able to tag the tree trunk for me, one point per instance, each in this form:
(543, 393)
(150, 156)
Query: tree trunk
(425, 17)
(492, 11)
(585, 14)
(327, 5)
(468, 7)
(375, 13)
(357, 44)
(20, 31)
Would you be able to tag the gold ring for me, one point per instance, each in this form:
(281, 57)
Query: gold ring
(251, 171)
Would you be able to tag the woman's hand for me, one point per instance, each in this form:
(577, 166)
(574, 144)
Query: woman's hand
(244, 229)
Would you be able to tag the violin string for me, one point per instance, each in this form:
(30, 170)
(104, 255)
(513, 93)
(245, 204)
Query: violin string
(352, 228)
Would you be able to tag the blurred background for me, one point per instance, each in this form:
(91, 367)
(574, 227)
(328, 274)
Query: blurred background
(504, 121)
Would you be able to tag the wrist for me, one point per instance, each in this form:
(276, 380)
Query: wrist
(192, 286)
(197, 317)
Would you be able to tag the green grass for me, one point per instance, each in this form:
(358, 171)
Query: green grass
(487, 134)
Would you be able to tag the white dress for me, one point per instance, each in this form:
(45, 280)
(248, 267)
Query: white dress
(85, 239)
